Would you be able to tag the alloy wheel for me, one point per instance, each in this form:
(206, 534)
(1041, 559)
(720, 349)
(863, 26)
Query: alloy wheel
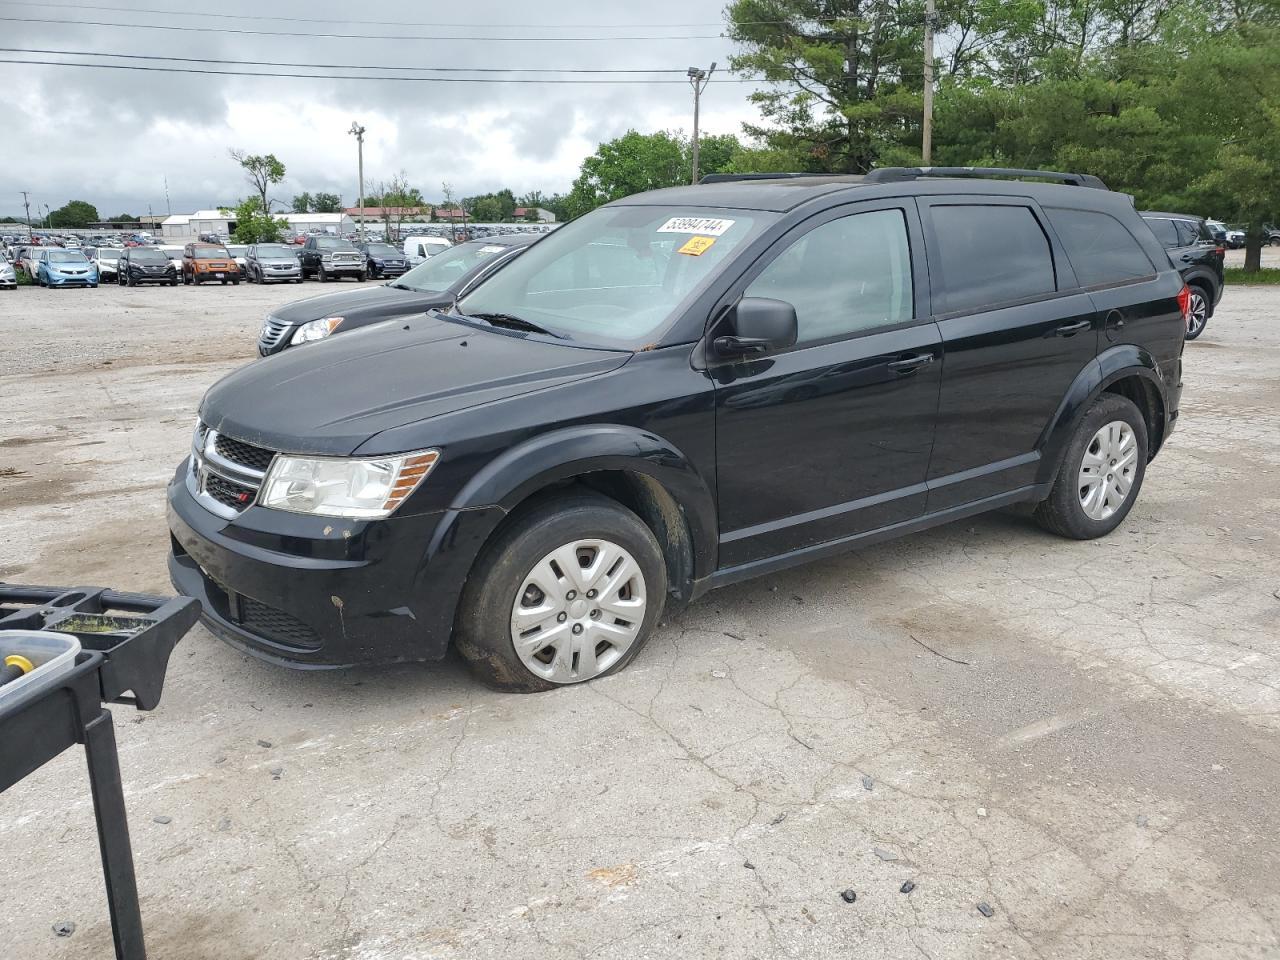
(1107, 470)
(578, 611)
(1199, 313)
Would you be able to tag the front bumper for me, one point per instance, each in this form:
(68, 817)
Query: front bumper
(65, 280)
(316, 592)
(389, 269)
(271, 273)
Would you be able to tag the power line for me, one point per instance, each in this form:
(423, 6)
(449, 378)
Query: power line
(335, 66)
(346, 36)
(409, 23)
(340, 76)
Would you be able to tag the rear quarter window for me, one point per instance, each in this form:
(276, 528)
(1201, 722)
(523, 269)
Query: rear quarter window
(1100, 247)
(1165, 231)
(991, 254)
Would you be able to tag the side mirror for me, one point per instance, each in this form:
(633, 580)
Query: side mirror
(760, 325)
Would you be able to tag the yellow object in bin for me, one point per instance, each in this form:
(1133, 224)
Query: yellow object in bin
(15, 666)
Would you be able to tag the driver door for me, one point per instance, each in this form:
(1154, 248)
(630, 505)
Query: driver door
(832, 437)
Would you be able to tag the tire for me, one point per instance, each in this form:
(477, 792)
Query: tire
(235, 282)
(321, 275)
(1064, 512)
(120, 280)
(502, 577)
(1201, 311)
(172, 283)
(362, 276)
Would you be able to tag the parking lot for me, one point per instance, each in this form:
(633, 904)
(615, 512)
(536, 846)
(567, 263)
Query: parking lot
(1081, 735)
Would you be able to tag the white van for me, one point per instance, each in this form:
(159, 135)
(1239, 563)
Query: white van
(418, 249)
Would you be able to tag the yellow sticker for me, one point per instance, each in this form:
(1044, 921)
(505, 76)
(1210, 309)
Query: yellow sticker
(697, 246)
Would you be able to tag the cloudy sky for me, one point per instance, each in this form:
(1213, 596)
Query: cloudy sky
(112, 136)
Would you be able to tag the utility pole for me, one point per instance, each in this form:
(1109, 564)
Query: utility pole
(357, 131)
(48, 224)
(26, 205)
(166, 195)
(926, 137)
(698, 79)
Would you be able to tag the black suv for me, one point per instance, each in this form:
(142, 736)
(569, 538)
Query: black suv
(383, 260)
(327, 258)
(1198, 257)
(677, 391)
(145, 265)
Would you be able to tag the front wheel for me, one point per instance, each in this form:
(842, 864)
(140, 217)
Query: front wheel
(569, 592)
(1101, 472)
(322, 276)
(1199, 314)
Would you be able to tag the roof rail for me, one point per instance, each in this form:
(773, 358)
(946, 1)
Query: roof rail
(731, 177)
(893, 174)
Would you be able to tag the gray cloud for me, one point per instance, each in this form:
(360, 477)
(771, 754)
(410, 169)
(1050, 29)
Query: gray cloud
(112, 137)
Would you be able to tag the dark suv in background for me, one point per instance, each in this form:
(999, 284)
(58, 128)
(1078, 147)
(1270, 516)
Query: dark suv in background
(677, 391)
(1198, 257)
(145, 265)
(383, 260)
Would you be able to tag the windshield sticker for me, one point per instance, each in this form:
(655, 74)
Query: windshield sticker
(493, 248)
(707, 225)
(697, 246)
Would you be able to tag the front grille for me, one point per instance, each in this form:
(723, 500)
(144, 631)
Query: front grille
(230, 494)
(245, 454)
(273, 331)
(277, 625)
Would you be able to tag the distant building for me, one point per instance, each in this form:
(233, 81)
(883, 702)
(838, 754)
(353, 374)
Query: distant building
(396, 214)
(183, 227)
(542, 216)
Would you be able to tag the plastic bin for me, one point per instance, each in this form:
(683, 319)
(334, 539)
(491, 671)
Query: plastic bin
(54, 654)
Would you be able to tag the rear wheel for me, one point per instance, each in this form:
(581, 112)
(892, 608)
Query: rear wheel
(1101, 472)
(569, 592)
(1199, 315)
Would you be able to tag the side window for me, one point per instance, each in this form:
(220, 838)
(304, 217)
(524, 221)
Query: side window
(991, 254)
(844, 277)
(1099, 246)
(1188, 233)
(1165, 232)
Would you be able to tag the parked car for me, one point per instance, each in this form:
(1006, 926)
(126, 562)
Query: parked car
(383, 260)
(65, 268)
(202, 262)
(1218, 230)
(174, 254)
(327, 258)
(1235, 237)
(239, 253)
(28, 259)
(435, 285)
(417, 249)
(138, 265)
(272, 263)
(537, 475)
(8, 276)
(1198, 258)
(104, 258)
(1272, 235)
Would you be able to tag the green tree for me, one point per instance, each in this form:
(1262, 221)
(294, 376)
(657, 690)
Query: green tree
(262, 172)
(399, 202)
(255, 225)
(124, 218)
(77, 213)
(326, 203)
(301, 203)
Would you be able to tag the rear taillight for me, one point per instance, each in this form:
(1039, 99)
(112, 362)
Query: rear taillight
(1184, 304)
(1220, 251)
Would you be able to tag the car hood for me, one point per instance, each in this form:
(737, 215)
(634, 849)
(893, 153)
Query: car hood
(331, 397)
(376, 301)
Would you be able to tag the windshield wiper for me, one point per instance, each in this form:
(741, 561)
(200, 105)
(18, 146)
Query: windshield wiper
(510, 322)
(400, 286)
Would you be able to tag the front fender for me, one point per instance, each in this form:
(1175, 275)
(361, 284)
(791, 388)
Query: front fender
(1120, 361)
(550, 458)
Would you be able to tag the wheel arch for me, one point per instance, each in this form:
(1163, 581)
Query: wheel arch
(1127, 370)
(641, 471)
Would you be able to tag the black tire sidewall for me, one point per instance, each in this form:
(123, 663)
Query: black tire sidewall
(1208, 310)
(482, 631)
(1062, 512)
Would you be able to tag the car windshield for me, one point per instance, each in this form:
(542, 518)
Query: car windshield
(65, 256)
(210, 253)
(382, 250)
(448, 267)
(237, 250)
(147, 255)
(108, 253)
(617, 276)
(270, 250)
(333, 243)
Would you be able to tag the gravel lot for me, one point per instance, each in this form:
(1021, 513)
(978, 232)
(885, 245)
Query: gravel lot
(1082, 735)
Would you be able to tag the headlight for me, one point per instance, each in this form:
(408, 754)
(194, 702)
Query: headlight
(358, 489)
(316, 330)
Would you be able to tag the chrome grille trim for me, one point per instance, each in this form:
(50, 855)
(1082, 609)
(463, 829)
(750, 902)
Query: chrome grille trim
(273, 331)
(207, 462)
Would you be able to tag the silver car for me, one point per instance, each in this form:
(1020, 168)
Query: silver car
(8, 278)
(271, 262)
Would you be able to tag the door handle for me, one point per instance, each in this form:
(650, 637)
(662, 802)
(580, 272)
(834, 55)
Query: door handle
(1071, 329)
(912, 363)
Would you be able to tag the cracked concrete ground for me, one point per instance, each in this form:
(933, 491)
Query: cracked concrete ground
(1082, 735)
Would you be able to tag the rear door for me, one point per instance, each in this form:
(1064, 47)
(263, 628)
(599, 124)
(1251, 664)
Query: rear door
(831, 438)
(1016, 332)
